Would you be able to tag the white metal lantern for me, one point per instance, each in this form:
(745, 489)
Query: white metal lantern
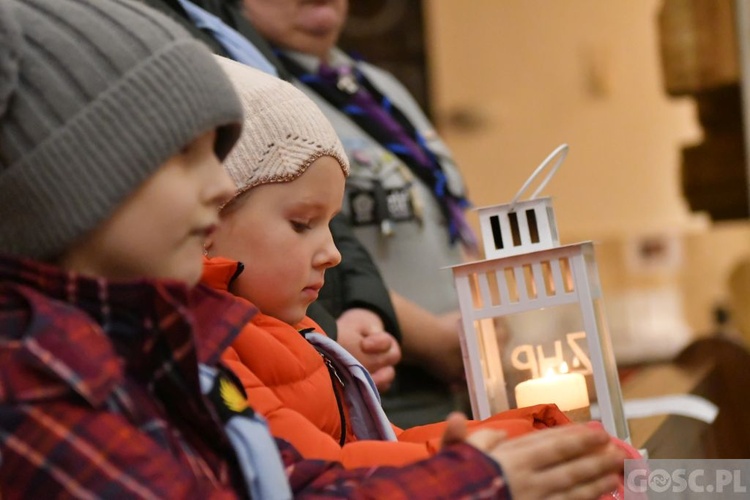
(564, 354)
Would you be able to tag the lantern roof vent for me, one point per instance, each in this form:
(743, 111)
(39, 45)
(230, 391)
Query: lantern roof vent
(521, 227)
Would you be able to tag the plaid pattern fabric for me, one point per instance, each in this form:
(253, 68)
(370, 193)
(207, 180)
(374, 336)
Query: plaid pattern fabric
(458, 472)
(99, 393)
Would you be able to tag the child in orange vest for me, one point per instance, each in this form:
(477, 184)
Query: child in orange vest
(273, 249)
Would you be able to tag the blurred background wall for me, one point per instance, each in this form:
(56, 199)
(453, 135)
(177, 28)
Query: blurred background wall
(506, 81)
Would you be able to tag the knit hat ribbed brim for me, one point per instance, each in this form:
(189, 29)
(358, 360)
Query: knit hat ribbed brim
(283, 133)
(94, 97)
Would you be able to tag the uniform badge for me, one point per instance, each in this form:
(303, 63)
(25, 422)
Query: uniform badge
(365, 206)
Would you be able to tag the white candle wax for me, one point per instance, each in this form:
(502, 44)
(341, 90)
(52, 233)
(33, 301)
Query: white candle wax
(567, 390)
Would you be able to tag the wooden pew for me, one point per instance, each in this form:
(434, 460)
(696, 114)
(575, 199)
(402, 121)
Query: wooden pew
(717, 369)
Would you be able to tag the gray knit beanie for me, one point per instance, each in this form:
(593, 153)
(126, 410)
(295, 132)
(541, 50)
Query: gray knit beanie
(95, 95)
(284, 131)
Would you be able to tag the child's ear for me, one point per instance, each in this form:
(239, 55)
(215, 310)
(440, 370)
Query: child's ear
(207, 244)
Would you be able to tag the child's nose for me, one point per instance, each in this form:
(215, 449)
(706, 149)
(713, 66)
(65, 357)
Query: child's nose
(335, 256)
(329, 256)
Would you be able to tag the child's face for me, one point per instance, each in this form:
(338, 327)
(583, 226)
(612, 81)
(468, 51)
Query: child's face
(160, 229)
(280, 233)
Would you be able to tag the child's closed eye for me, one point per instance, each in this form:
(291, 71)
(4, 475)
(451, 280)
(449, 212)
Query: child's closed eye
(300, 226)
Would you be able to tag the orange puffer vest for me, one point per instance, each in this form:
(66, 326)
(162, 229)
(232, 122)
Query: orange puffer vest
(288, 382)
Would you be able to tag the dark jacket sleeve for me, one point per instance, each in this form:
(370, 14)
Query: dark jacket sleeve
(325, 319)
(356, 281)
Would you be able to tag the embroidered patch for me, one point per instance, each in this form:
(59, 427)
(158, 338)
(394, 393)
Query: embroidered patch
(231, 396)
(228, 397)
(366, 209)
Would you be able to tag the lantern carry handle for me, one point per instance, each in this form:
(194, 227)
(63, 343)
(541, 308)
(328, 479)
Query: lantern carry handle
(562, 151)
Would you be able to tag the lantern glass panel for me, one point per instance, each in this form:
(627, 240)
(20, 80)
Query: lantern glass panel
(535, 333)
(544, 344)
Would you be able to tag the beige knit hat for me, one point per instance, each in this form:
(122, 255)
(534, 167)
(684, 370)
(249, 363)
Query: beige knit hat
(284, 132)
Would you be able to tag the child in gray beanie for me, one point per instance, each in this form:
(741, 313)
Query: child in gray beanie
(113, 122)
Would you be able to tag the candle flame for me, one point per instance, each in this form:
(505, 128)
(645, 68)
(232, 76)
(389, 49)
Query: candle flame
(551, 372)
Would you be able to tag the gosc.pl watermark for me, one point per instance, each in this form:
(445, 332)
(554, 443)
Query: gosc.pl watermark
(687, 479)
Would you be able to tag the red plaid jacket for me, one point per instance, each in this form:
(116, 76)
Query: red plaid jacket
(99, 398)
(99, 387)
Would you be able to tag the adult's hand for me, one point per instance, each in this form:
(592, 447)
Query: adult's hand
(360, 331)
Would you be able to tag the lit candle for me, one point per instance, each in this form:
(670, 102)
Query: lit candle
(567, 390)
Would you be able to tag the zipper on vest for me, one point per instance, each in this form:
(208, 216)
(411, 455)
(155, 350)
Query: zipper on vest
(336, 390)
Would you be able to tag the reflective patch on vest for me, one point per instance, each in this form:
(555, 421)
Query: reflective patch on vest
(368, 208)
